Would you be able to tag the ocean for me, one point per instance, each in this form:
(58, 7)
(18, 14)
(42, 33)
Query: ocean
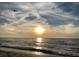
(50, 47)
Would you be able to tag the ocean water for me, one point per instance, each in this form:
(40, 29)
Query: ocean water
(40, 46)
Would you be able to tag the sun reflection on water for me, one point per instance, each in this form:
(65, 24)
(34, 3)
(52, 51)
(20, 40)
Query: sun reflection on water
(37, 53)
(38, 47)
(39, 41)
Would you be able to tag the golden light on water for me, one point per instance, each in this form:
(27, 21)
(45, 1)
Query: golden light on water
(39, 39)
(38, 47)
(39, 30)
(37, 53)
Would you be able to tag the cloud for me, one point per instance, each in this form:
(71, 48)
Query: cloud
(62, 17)
(55, 10)
(52, 12)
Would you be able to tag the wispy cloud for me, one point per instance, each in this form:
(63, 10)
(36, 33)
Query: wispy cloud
(62, 17)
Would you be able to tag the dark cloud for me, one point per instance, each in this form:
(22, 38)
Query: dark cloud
(31, 18)
(76, 23)
(9, 6)
(3, 20)
(54, 21)
(70, 7)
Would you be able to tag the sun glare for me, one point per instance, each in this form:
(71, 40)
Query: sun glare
(39, 30)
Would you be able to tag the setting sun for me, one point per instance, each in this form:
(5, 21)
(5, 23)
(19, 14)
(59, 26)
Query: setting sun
(39, 30)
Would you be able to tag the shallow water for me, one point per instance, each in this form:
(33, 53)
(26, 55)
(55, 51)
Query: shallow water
(68, 46)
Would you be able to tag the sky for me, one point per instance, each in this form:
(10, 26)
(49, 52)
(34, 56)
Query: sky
(19, 18)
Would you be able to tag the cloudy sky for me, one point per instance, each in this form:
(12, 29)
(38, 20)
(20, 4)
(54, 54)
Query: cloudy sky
(18, 19)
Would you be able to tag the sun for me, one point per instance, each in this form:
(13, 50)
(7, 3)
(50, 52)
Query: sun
(39, 30)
